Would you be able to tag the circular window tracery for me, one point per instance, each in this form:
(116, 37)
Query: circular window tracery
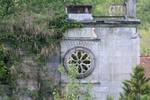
(82, 58)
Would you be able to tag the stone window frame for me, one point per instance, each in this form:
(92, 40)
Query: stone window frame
(86, 51)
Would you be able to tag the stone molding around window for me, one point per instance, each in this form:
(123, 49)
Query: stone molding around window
(82, 58)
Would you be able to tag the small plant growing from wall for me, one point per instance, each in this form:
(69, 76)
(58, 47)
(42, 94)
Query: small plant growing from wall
(137, 88)
(110, 97)
(73, 89)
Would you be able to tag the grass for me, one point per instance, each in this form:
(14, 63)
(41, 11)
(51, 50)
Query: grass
(145, 42)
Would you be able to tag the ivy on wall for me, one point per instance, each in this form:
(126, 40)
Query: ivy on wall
(7, 72)
(27, 31)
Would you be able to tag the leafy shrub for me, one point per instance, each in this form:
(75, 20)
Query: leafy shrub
(137, 86)
(73, 90)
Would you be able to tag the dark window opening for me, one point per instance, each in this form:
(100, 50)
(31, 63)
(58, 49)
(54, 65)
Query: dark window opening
(79, 9)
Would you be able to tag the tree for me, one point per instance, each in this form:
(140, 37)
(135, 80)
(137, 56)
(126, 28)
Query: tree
(137, 86)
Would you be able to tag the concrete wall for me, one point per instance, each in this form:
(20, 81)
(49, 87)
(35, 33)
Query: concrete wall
(116, 51)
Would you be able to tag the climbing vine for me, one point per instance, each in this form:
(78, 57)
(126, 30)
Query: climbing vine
(29, 32)
(7, 72)
(73, 90)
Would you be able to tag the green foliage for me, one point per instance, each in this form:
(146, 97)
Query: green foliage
(60, 24)
(101, 7)
(32, 28)
(7, 7)
(45, 89)
(110, 97)
(7, 73)
(137, 86)
(145, 51)
(144, 15)
(145, 48)
(143, 12)
(145, 97)
(73, 90)
(36, 30)
(5, 65)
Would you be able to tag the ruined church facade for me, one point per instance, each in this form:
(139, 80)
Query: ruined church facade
(104, 51)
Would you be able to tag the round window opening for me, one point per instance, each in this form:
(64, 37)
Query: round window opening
(82, 58)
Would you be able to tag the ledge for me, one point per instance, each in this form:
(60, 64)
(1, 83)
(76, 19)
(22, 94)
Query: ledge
(81, 39)
(110, 22)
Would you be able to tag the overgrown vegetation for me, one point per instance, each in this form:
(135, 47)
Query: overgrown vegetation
(137, 88)
(7, 73)
(143, 14)
(33, 28)
(73, 90)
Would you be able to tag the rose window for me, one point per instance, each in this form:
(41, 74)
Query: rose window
(82, 58)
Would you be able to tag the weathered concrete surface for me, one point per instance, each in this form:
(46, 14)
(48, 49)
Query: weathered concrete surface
(116, 51)
(80, 17)
(131, 8)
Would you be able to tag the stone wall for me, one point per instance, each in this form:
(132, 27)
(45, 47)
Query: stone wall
(115, 50)
(32, 78)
